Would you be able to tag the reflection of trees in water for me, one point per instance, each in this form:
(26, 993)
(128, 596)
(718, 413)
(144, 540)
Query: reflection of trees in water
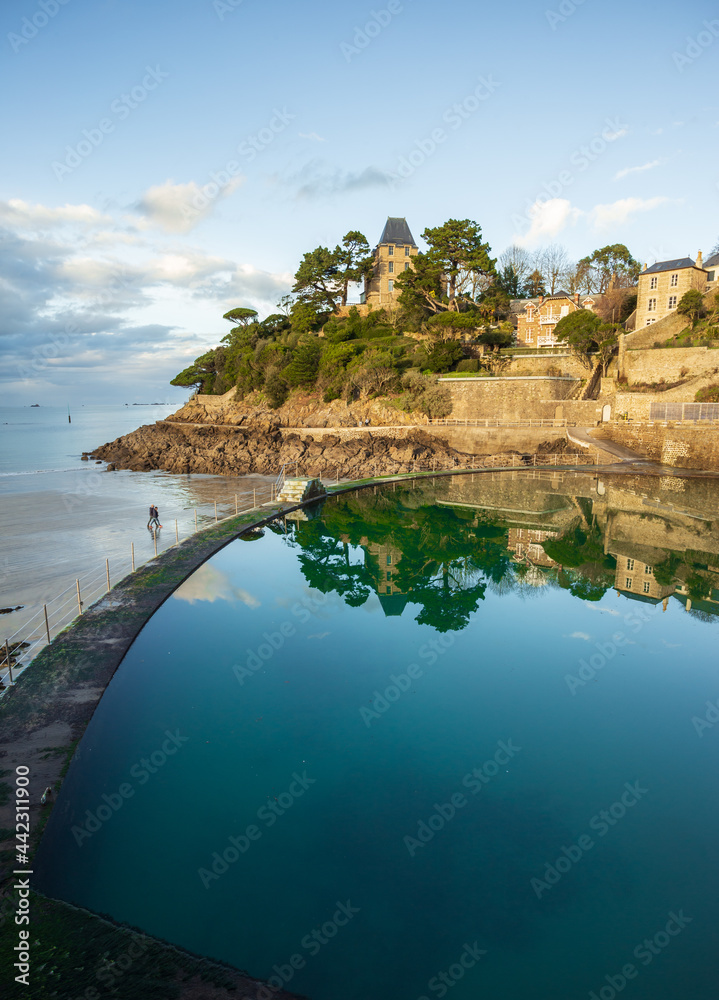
(446, 558)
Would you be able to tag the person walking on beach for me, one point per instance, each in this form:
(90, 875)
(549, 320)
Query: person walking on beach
(154, 517)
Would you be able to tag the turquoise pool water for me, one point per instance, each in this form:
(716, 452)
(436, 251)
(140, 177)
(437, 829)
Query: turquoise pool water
(444, 740)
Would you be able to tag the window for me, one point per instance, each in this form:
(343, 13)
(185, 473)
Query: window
(652, 305)
(650, 321)
(648, 569)
(388, 590)
(630, 564)
(391, 267)
(390, 251)
(653, 282)
(389, 560)
(628, 583)
(646, 586)
(675, 280)
(672, 301)
(406, 267)
(389, 575)
(406, 253)
(390, 285)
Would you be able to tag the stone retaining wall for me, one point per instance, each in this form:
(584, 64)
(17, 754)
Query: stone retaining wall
(671, 444)
(668, 363)
(506, 398)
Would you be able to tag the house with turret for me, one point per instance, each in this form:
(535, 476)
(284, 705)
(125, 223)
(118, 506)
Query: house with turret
(392, 255)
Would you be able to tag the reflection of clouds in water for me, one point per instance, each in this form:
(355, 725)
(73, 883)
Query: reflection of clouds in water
(211, 584)
(579, 635)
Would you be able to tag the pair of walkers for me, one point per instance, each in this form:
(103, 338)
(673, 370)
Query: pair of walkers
(154, 521)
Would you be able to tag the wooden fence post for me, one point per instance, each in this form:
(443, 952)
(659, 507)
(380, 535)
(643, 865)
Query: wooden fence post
(47, 623)
(177, 533)
(9, 664)
(154, 538)
(215, 511)
(79, 600)
(107, 574)
(132, 555)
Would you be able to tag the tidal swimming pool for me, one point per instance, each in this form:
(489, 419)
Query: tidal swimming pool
(453, 738)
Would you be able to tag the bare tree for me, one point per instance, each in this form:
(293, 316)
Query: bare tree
(553, 262)
(519, 259)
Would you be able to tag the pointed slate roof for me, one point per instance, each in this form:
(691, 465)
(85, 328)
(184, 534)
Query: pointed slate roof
(712, 262)
(395, 231)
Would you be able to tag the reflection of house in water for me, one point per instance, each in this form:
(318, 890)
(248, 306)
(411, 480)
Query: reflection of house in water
(392, 599)
(635, 579)
(526, 543)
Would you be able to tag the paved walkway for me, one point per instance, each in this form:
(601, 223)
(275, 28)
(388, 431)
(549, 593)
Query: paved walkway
(584, 436)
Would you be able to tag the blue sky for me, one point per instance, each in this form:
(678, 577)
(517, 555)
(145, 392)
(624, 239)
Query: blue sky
(167, 161)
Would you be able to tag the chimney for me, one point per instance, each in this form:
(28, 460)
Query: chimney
(700, 260)
(576, 298)
(541, 300)
(644, 268)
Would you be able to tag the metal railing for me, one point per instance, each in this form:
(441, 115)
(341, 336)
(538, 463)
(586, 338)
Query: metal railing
(477, 422)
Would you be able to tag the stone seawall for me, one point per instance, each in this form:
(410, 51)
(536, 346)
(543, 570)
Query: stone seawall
(671, 444)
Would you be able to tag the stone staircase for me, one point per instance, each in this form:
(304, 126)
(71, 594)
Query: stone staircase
(594, 384)
(295, 489)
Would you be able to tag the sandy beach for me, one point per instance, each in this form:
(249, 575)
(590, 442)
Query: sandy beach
(61, 517)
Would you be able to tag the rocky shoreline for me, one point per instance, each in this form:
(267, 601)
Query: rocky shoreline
(235, 439)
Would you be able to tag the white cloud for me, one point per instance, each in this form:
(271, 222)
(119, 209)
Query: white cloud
(177, 208)
(311, 135)
(636, 170)
(21, 215)
(613, 136)
(580, 635)
(618, 212)
(210, 584)
(547, 219)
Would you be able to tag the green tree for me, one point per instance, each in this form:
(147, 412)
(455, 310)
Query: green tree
(200, 374)
(606, 344)
(317, 280)
(302, 370)
(241, 316)
(276, 388)
(354, 261)
(448, 325)
(511, 283)
(579, 330)
(691, 305)
(457, 251)
(420, 287)
(614, 261)
(441, 356)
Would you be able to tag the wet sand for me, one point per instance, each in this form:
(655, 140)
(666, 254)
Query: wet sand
(60, 526)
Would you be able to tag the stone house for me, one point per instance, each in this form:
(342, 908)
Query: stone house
(537, 318)
(662, 285)
(393, 255)
(711, 266)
